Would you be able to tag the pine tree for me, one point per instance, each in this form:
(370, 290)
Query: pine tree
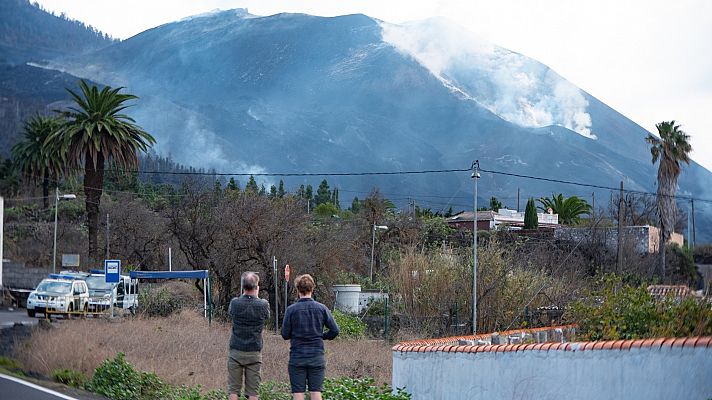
(301, 193)
(232, 185)
(280, 189)
(531, 220)
(272, 192)
(309, 193)
(251, 186)
(495, 204)
(263, 191)
(323, 194)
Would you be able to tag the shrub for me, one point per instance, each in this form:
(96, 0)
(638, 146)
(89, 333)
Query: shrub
(160, 302)
(118, 380)
(69, 377)
(273, 390)
(350, 326)
(10, 365)
(618, 311)
(360, 389)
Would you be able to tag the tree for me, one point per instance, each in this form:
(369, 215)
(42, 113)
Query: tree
(355, 205)
(280, 189)
(569, 209)
(495, 204)
(672, 148)
(232, 185)
(37, 162)
(272, 192)
(531, 220)
(251, 186)
(335, 198)
(94, 133)
(323, 194)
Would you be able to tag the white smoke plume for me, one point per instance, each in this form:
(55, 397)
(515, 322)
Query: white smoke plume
(515, 87)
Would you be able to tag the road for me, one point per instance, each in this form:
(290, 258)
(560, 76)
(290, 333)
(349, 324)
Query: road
(9, 318)
(18, 389)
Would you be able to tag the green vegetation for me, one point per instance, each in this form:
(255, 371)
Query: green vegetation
(69, 377)
(10, 366)
(360, 389)
(569, 209)
(350, 326)
(621, 311)
(531, 220)
(118, 380)
(95, 132)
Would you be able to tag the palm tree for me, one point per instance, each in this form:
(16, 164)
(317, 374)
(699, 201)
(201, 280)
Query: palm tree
(39, 163)
(569, 209)
(671, 148)
(96, 133)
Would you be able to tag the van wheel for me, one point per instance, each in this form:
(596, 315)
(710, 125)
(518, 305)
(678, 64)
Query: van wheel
(70, 309)
(31, 313)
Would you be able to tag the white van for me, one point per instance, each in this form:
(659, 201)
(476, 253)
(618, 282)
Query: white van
(125, 293)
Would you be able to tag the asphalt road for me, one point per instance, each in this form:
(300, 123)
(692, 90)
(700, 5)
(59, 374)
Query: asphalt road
(17, 389)
(19, 316)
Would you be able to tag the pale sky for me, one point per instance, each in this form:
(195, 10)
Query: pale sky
(651, 60)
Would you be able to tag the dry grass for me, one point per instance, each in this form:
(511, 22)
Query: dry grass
(183, 349)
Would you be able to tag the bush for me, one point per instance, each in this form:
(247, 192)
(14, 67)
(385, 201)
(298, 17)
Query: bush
(10, 365)
(159, 302)
(118, 380)
(350, 326)
(360, 389)
(618, 311)
(273, 390)
(69, 377)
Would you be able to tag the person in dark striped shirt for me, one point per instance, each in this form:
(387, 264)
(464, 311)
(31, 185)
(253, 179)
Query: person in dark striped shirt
(303, 325)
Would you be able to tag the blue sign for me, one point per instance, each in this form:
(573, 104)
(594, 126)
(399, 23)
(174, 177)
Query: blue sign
(112, 271)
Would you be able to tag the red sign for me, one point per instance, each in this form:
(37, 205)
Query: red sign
(286, 272)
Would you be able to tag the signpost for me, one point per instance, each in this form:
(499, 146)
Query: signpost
(70, 260)
(112, 274)
(286, 284)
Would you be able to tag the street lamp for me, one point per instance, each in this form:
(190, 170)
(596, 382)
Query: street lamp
(373, 242)
(57, 198)
(475, 177)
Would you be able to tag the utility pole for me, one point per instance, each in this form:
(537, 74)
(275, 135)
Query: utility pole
(621, 218)
(475, 177)
(517, 199)
(107, 236)
(692, 204)
(593, 204)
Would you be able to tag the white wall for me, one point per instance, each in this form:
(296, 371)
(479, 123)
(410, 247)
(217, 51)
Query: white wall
(646, 373)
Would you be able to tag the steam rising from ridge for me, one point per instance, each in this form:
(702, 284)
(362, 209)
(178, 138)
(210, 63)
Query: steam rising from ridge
(515, 87)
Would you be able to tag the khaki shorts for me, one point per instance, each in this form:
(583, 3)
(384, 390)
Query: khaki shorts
(247, 365)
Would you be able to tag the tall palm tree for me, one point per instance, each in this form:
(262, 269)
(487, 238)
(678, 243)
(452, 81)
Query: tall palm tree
(671, 148)
(94, 134)
(39, 163)
(569, 209)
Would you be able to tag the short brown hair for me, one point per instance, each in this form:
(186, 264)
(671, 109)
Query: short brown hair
(305, 284)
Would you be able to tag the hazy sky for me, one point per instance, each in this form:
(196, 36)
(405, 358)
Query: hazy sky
(649, 59)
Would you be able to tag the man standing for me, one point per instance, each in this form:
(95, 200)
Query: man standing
(244, 360)
(303, 325)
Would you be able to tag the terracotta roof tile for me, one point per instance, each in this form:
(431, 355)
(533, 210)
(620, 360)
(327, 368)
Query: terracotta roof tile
(668, 342)
(588, 346)
(657, 342)
(607, 345)
(627, 344)
(679, 342)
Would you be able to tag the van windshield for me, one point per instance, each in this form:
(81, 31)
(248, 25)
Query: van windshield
(54, 286)
(98, 283)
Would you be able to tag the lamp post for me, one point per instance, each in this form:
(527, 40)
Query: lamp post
(475, 177)
(373, 243)
(57, 198)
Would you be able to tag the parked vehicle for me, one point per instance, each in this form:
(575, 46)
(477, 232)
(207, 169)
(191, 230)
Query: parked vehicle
(125, 293)
(58, 293)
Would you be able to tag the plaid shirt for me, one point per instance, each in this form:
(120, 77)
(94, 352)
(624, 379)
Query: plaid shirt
(304, 324)
(249, 314)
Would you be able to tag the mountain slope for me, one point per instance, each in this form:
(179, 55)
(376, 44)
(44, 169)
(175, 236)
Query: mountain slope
(298, 93)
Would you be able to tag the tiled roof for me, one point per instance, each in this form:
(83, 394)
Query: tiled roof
(677, 291)
(449, 344)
